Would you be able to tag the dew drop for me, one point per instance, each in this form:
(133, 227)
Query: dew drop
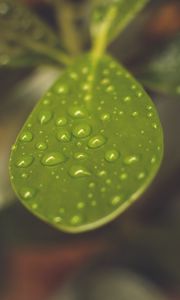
(25, 161)
(116, 200)
(86, 87)
(87, 97)
(46, 101)
(80, 155)
(73, 75)
(105, 117)
(63, 135)
(77, 171)
(108, 181)
(45, 116)
(149, 107)
(141, 175)
(34, 206)
(111, 155)
(102, 173)
(81, 130)
(26, 136)
(80, 205)
(75, 220)
(27, 193)
(90, 195)
(61, 89)
(24, 175)
(57, 219)
(61, 121)
(105, 81)
(135, 114)
(41, 146)
(96, 141)
(91, 185)
(139, 94)
(154, 125)
(77, 112)
(121, 112)
(123, 176)
(127, 99)
(130, 159)
(133, 87)
(53, 159)
(153, 159)
(110, 88)
(14, 147)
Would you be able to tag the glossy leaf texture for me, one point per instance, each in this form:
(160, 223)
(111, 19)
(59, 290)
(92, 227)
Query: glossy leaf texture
(90, 147)
(162, 71)
(25, 39)
(110, 17)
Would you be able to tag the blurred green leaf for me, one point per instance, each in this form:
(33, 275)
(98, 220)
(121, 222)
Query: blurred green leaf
(162, 72)
(25, 39)
(110, 17)
(90, 147)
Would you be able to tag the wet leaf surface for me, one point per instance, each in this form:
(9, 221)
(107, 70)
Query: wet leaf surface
(90, 147)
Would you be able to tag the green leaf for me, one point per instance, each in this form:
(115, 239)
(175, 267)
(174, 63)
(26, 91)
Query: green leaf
(110, 17)
(25, 39)
(90, 147)
(162, 72)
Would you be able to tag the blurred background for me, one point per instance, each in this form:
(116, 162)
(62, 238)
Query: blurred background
(137, 256)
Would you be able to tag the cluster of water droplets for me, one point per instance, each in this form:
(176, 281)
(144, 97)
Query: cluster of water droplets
(75, 127)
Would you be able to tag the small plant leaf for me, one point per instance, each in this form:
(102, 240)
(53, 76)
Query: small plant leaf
(162, 71)
(110, 17)
(90, 147)
(25, 39)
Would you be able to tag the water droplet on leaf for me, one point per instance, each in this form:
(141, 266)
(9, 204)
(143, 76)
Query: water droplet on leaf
(116, 200)
(76, 220)
(96, 141)
(77, 112)
(27, 193)
(45, 116)
(53, 159)
(111, 155)
(77, 171)
(26, 136)
(129, 160)
(41, 146)
(82, 130)
(25, 161)
(61, 121)
(63, 135)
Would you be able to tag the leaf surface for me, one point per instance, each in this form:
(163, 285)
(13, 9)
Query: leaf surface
(90, 147)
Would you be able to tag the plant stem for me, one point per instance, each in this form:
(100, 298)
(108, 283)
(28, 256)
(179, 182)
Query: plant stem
(53, 53)
(100, 41)
(66, 16)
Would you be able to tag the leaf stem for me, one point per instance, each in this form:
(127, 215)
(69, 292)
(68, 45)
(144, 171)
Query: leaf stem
(100, 42)
(66, 14)
(53, 53)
